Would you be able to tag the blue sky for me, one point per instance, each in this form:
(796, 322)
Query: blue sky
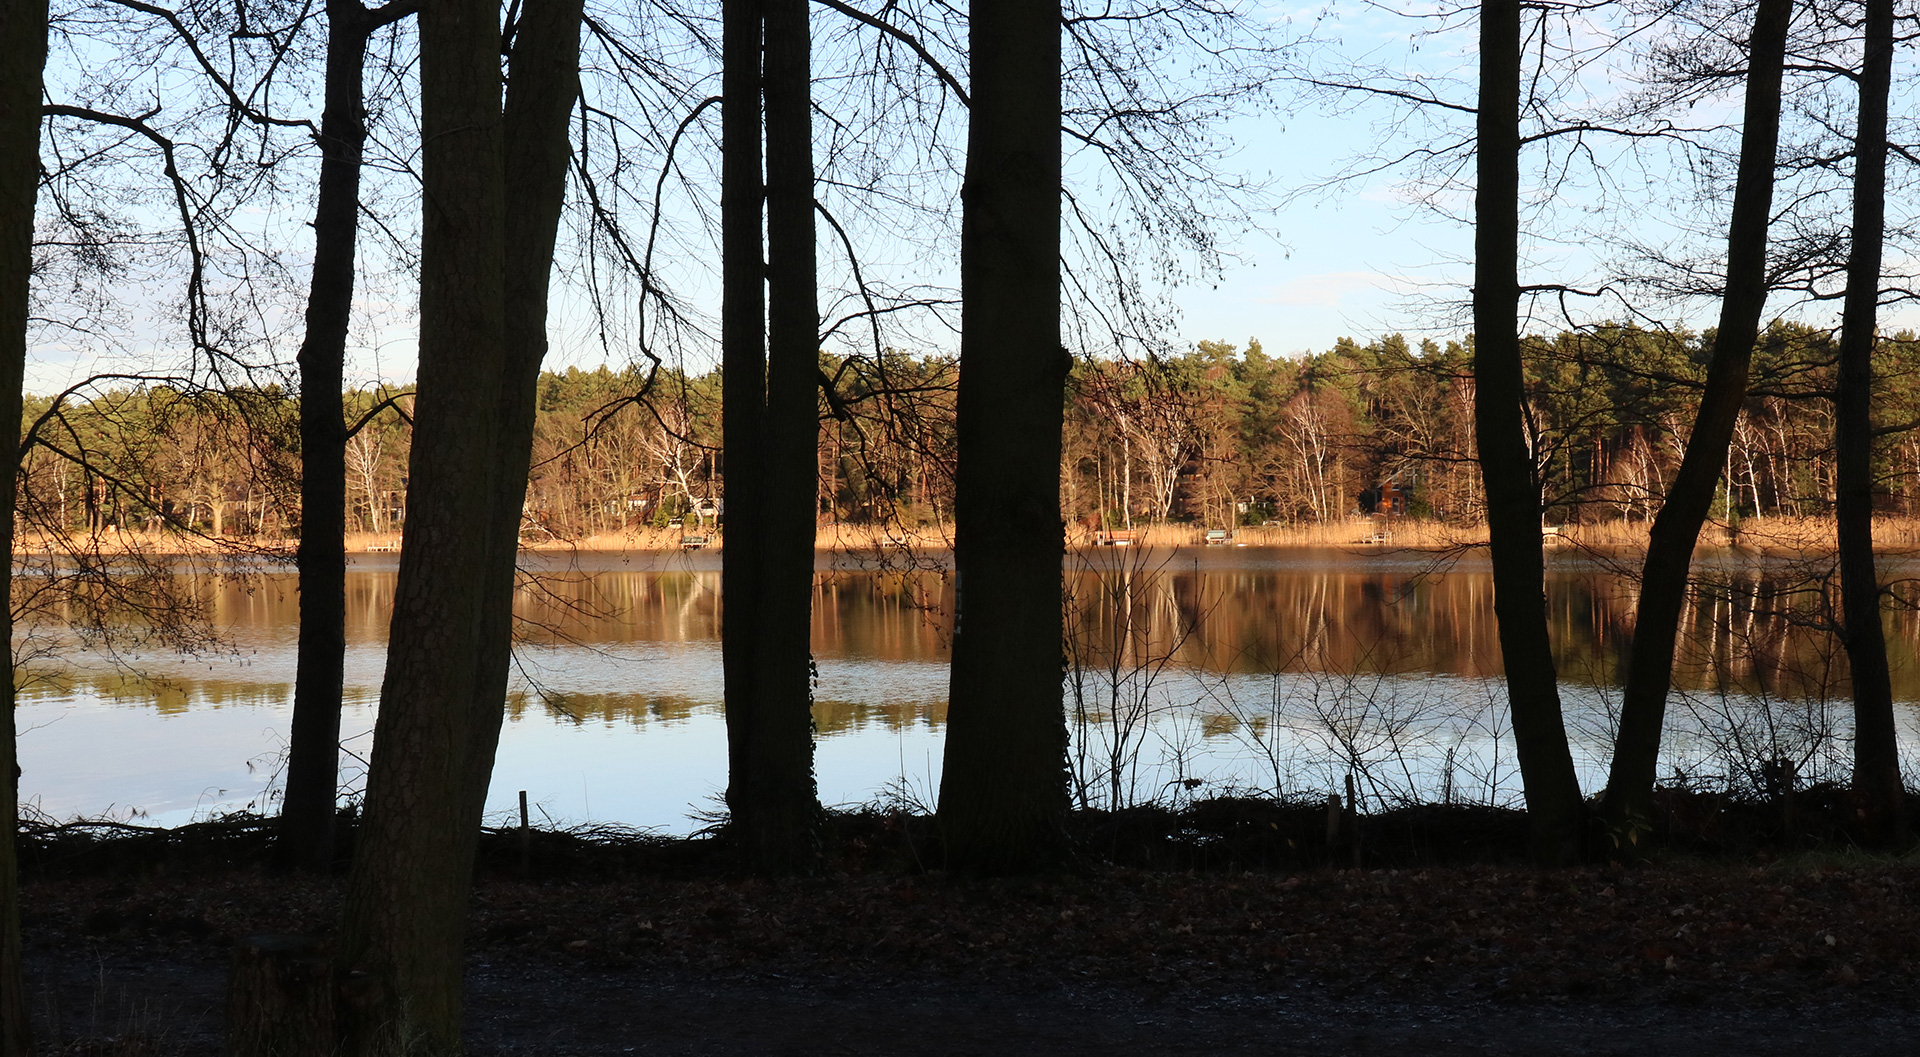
(1361, 258)
(1364, 258)
(1347, 262)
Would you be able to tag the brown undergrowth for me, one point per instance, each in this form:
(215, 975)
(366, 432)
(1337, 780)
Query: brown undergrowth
(1207, 836)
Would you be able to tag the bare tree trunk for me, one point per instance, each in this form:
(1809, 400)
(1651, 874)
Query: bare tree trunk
(1876, 756)
(23, 54)
(1676, 528)
(776, 817)
(543, 83)
(1554, 807)
(743, 370)
(313, 750)
(1003, 796)
(404, 923)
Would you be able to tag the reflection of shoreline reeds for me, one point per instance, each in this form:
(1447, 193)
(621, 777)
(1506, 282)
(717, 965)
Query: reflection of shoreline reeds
(1752, 622)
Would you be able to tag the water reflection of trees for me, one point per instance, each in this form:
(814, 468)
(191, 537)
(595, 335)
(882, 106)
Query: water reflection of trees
(1762, 630)
(1124, 632)
(888, 615)
(168, 696)
(643, 709)
(1238, 670)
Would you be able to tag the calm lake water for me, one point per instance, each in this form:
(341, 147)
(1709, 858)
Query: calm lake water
(1193, 672)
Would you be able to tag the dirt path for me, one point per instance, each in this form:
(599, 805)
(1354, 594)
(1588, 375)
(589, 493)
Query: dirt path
(1700, 960)
(113, 1004)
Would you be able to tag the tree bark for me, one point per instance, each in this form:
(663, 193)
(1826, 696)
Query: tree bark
(23, 54)
(1676, 528)
(542, 85)
(313, 750)
(280, 998)
(776, 817)
(743, 371)
(1554, 808)
(1003, 794)
(1876, 754)
(403, 927)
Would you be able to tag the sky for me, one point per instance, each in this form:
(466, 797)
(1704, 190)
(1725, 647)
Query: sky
(1364, 257)
(1350, 262)
(1361, 258)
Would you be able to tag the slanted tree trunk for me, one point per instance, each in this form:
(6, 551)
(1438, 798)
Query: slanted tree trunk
(313, 748)
(543, 82)
(23, 55)
(1676, 528)
(1554, 808)
(468, 486)
(776, 821)
(403, 926)
(1876, 756)
(1003, 795)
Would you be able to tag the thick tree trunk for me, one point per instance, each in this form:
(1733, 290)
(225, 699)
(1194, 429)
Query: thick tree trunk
(23, 54)
(404, 922)
(1003, 795)
(1876, 755)
(280, 998)
(743, 371)
(776, 818)
(1676, 529)
(543, 83)
(1554, 807)
(313, 751)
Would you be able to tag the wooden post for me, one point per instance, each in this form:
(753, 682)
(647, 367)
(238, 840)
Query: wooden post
(1353, 821)
(280, 998)
(526, 849)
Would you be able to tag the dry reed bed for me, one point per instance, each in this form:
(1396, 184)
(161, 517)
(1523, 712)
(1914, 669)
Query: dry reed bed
(1766, 537)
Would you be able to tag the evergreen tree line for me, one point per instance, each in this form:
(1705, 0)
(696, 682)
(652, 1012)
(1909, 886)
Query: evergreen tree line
(1219, 436)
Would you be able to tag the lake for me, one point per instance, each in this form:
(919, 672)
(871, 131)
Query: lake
(1192, 672)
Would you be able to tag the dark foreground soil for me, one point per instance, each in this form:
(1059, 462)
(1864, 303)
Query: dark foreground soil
(595, 945)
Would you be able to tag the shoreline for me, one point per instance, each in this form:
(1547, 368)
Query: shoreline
(1754, 537)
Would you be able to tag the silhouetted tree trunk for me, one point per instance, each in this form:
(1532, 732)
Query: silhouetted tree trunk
(484, 276)
(770, 369)
(403, 927)
(543, 82)
(1876, 755)
(1554, 807)
(1676, 529)
(778, 822)
(743, 369)
(313, 749)
(23, 55)
(1003, 795)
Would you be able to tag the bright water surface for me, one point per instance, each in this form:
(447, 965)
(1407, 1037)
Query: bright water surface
(1196, 671)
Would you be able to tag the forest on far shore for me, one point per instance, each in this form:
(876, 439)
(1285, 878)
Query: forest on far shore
(1219, 436)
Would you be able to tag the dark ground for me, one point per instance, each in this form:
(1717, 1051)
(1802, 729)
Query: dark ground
(1223, 930)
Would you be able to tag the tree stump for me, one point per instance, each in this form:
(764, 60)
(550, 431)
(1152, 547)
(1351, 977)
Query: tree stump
(280, 998)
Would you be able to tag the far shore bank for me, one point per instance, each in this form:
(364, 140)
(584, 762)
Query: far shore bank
(1755, 537)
